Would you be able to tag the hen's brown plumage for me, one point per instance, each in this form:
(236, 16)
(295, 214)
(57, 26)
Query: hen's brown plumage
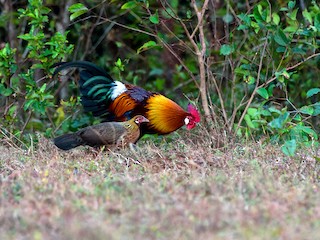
(110, 134)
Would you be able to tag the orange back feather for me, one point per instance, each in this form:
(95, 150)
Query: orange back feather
(165, 115)
(121, 105)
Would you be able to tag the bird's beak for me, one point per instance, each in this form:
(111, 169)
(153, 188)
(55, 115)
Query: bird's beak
(146, 120)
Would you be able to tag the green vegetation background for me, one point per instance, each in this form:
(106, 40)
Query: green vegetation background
(251, 68)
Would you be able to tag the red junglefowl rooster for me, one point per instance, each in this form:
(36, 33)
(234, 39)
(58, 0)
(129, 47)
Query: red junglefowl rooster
(110, 134)
(115, 101)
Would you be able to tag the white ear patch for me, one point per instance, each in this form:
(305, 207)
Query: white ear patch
(186, 121)
(118, 89)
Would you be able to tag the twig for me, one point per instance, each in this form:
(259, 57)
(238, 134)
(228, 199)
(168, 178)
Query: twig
(180, 61)
(201, 55)
(256, 88)
(106, 31)
(127, 27)
(224, 113)
(290, 68)
(89, 34)
(26, 123)
(200, 15)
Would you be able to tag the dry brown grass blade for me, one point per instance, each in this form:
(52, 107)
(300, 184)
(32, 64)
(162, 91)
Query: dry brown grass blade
(182, 187)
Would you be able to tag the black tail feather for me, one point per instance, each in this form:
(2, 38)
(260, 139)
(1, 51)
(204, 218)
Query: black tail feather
(90, 67)
(68, 141)
(95, 86)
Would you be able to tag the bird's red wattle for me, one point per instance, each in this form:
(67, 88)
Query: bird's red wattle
(194, 113)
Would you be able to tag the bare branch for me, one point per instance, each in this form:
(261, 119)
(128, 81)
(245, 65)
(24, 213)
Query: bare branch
(201, 56)
(199, 14)
(223, 109)
(257, 84)
(290, 68)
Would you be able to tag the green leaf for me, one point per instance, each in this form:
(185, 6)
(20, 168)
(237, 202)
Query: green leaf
(160, 84)
(228, 18)
(316, 109)
(119, 64)
(308, 130)
(12, 110)
(270, 89)
(309, 110)
(5, 91)
(43, 88)
(242, 27)
(26, 36)
(297, 117)
(248, 121)
(255, 26)
(77, 14)
(241, 71)
(168, 13)
(291, 4)
(293, 14)
(285, 74)
(298, 50)
(281, 38)
(189, 14)
(275, 18)
(257, 13)
(226, 49)
(265, 113)
(307, 16)
(312, 92)
(280, 78)
(245, 18)
(279, 122)
(250, 80)
(77, 7)
(263, 93)
(292, 28)
(146, 46)
(289, 147)
(281, 49)
(129, 5)
(29, 103)
(77, 10)
(317, 22)
(253, 112)
(274, 110)
(154, 18)
(156, 72)
(282, 74)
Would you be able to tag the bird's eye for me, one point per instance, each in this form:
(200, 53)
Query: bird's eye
(139, 120)
(186, 121)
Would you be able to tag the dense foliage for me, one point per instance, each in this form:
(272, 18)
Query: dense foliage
(254, 66)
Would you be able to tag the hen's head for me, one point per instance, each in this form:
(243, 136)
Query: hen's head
(140, 119)
(193, 118)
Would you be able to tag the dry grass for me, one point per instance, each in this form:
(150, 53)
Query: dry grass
(180, 190)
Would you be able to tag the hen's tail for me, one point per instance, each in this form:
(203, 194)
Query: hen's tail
(96, 86)
(68, 141)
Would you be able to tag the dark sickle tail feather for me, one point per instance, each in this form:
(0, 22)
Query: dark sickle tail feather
(95, 86)
(92, 68)
(68, 141)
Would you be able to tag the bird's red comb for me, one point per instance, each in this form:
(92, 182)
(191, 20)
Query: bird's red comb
(194, 112)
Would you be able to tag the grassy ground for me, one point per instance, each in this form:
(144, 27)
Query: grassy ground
(186, 189)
